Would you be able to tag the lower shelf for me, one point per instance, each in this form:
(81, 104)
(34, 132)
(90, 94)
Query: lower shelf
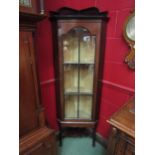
(76, 123)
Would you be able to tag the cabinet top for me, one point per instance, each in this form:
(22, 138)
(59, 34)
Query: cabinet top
(89, 13)
(124, 118)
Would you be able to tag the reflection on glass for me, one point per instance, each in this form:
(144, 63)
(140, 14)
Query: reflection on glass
(70, 78)
(130, 28)
(85, 107)
(87, 49)
(86, 78)
(79, 46)
(71, 106)
(70, 49)
(79, 56)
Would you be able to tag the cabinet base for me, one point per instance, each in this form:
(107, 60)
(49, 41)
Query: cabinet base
(71, 124)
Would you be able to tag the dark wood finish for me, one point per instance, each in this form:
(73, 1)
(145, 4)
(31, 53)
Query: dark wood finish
(35, 137)
(77, 123)
(124, 119)
(27, 93)
(39, 142)
(28, 21)
(69, 13)
(122, 137)
(95, 22)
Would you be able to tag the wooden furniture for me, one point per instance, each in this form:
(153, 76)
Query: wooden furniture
(39, 142)
(35, 137)
(31, 6)
(122, 138)
(78, 65)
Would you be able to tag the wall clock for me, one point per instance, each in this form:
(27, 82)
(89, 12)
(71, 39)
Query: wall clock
(31, 6)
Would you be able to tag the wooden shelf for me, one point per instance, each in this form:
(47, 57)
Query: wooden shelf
(80, 63)
(78, 93)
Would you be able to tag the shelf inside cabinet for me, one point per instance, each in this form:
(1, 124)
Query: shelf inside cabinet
(78, 78)
(78, 93)
(78, 106)
(78, 63)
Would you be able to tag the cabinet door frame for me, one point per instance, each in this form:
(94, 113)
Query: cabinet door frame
(94, 31)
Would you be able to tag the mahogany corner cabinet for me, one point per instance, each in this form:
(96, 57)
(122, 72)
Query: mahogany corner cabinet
(79, 42)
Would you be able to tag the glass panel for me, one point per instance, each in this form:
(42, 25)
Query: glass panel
(70, 48)
(70, 78)
(79, 57)
(26, 3)
(87, 49)
(85, 107)
(130, 29)
(71, 106)
(86, 78)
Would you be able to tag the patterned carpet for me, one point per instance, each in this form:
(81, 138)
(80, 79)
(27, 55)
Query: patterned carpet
(80, 146)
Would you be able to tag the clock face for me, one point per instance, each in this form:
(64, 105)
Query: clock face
(28, 6)
(130, 28)
(26, 3)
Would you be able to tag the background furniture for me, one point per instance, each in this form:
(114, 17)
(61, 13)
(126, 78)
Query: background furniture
(129, 36)
(32, 6)
(122, 137)
(35, 137)
(78, 68)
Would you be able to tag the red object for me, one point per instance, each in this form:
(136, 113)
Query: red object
(118, 80)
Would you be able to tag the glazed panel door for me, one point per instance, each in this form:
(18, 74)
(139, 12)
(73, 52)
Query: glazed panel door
(78, 51)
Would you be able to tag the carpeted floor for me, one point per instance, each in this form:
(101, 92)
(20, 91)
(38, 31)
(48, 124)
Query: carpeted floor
(80, 146)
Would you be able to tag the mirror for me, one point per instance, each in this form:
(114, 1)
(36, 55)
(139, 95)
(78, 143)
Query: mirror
(129, 35)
